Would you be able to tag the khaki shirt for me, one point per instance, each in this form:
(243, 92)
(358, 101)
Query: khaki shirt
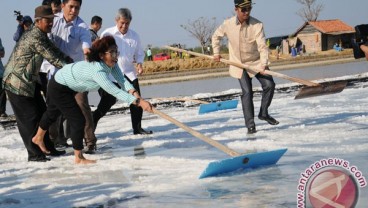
(21, 71)
(247, 44)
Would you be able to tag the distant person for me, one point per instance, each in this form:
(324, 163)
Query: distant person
(337, 47)
(208, 49)
(130, 63)
(86, 76)
(96, 24)
(55, 5)
(24, 24)
(149, 54)
(2, 91)
(20, 81)
(247, 45)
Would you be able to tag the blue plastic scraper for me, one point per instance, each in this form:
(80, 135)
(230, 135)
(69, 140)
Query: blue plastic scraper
(237, 161)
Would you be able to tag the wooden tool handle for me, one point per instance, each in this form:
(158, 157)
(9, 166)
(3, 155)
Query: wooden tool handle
(183, 99)
(251, 69)
(200, 136)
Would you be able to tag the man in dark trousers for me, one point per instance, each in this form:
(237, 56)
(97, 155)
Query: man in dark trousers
(21, 81)
(130, 62)
(247, 45)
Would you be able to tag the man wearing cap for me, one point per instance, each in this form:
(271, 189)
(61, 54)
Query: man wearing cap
(247, 45)
(20, 81)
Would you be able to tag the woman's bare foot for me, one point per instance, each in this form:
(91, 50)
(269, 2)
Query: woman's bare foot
(38, 140)
(80, 159)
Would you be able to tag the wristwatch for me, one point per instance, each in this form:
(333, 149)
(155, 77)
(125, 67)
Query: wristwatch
(137, 101)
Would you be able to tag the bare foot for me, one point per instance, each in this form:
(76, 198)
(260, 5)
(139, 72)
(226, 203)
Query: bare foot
(85, 161)
(39, 142)
(80, 159)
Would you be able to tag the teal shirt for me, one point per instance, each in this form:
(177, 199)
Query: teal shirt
(86, 76)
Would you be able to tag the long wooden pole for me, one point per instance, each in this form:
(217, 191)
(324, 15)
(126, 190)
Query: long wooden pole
(249, 68)
(183, 99)
(204, 138)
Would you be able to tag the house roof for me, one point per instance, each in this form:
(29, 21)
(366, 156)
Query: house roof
(332, 27)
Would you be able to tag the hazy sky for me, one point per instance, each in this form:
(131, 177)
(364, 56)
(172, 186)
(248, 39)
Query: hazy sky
(158, 22)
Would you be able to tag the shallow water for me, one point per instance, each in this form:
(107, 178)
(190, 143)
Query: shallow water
(222, 84)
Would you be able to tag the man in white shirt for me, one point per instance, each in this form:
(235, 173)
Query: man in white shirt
(130, 62)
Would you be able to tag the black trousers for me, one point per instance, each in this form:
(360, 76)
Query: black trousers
(61, 99)
(268, 89)
(2, 99)
(28, 112)
(43, 80)
(107, 101)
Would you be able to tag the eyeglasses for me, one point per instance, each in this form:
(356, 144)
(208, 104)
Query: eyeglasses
(113, 54)
(246, 9)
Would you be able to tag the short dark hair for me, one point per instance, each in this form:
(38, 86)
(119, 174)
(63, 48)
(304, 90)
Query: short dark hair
(66, 1)
(96, 19)
(100, 46)
(48, 2)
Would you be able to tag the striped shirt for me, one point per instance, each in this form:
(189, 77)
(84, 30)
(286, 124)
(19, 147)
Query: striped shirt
(89, 76)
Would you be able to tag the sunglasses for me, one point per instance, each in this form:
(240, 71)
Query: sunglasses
(246, 9)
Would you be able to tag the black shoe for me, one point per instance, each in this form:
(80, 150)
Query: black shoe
(40, 158)
(91, 149)
(142, 131)
(358, 53)
(56, 153)
(252, 130)
(269, 119)
(65, 145)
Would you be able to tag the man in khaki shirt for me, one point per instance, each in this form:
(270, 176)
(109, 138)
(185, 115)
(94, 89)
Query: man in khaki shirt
(247, 45)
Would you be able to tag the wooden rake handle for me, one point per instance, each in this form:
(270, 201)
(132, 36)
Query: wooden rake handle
(183, 99)
(250, 69)
(200, 136)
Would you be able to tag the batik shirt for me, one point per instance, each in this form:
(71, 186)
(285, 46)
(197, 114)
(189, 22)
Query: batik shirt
(21, 71)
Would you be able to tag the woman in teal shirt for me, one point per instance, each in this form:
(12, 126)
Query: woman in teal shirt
(81, 77)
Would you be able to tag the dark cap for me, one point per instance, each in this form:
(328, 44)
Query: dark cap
(44, 11)
(243, 3)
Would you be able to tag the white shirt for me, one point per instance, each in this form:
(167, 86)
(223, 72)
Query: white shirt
(130, 49)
